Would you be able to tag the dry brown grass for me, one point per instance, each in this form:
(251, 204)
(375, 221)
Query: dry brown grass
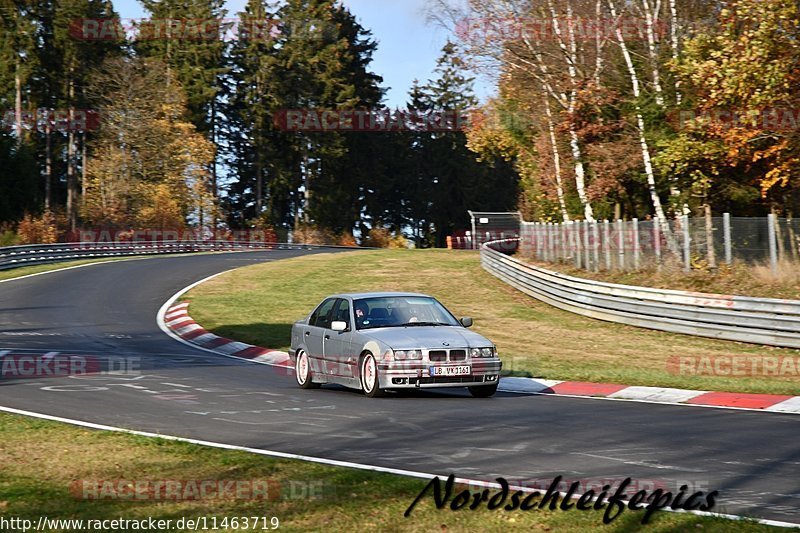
(740, 279)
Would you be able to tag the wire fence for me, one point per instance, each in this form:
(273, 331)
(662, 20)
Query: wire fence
(691, 242)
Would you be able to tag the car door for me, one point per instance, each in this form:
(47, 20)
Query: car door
(317, 327)
(336, 344)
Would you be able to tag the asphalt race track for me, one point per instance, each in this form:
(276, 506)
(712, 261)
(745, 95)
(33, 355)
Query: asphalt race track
(108, 311)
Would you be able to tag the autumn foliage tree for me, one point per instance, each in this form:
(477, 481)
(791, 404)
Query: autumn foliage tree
(740, 142)
(150, 165)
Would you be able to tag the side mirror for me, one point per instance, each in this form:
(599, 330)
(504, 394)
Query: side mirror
(338, 325)
(466, 322)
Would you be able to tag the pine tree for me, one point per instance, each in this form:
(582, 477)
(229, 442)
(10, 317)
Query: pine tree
(249, 95)
(316, 59)
(454, 181)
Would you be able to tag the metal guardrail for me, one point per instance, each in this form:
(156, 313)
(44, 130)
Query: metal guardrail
(37, 254)
(770, 321)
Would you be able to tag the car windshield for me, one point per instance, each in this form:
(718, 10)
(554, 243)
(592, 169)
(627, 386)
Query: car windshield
(401, 311)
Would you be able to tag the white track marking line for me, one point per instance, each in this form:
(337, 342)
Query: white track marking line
(118, 260)
(345, 464)
(639, 463)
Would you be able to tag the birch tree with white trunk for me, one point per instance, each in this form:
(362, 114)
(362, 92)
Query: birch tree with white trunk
(640, 125)
(553, 66)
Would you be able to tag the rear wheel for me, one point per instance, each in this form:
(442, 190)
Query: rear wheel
(302, 372)
(370, 383)
(483, 391)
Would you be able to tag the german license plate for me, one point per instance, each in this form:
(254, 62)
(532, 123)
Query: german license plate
(444, 371)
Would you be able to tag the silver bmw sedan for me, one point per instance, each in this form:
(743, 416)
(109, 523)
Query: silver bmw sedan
(382, 341)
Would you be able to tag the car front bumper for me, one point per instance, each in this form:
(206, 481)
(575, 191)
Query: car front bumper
(405, 375)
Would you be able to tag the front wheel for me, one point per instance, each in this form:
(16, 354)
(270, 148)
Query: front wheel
(483, 391)
(370, 383)
(302, 372)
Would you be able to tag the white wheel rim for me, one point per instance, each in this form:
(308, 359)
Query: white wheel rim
(369, 374)
(302, 368)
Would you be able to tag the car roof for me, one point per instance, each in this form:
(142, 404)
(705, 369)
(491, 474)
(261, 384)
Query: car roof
(360, 295)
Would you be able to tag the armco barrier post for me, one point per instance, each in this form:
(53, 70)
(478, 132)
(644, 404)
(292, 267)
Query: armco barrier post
(607, 243)
(772, 224)
(636, 251)
(621, 243)
(596, 245)
(563, 227)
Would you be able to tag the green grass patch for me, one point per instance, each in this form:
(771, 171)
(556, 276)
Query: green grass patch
(42, 460)
(258, 304)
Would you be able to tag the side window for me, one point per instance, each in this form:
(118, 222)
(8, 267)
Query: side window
(342, 312)
(322, 316)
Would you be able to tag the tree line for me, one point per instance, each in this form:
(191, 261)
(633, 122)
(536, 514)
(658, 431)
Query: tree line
(173, 121)
(640, 108)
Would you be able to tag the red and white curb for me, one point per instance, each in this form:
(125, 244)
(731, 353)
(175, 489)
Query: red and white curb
(732, 400)
(179, 322)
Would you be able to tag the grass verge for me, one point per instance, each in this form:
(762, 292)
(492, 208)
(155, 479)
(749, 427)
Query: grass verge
(258, 304)
(42, 460)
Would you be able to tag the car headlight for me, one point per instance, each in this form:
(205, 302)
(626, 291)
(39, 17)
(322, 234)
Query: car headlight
(481, 352)
(407, 355)
(487, 352)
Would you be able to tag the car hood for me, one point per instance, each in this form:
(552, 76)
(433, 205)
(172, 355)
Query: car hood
(430, 337)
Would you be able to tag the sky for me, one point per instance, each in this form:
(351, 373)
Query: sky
(408, 45)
